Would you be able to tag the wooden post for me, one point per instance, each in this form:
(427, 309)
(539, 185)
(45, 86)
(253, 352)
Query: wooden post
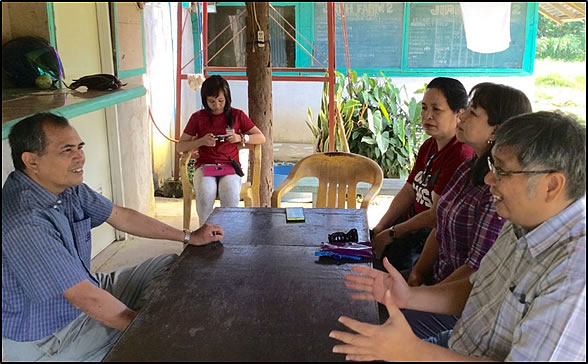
(259, 90)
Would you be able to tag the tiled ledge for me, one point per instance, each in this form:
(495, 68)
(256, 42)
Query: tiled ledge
(18, 104)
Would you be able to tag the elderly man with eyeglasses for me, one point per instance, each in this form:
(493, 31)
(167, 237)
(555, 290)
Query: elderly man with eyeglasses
(527, 301)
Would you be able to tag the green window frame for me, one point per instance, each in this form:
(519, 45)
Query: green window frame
(305, 25)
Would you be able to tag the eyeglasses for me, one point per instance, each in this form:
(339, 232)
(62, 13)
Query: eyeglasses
(499, 173)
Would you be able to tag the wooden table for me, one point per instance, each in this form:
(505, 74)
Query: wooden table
(261, 295)
(254, 226)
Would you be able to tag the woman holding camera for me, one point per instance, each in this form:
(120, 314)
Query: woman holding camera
(216, 132)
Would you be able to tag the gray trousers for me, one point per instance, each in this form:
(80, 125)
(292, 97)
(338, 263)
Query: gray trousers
(85, 339)
(228, 189)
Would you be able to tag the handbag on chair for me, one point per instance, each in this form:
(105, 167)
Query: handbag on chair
(217, 170)
(237, 168)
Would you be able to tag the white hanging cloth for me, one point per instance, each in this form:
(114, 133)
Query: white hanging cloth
(487, 26)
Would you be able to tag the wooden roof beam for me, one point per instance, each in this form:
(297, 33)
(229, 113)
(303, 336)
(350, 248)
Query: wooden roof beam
(548, 15)
(574, 19)
(563, 9)
(578, 7)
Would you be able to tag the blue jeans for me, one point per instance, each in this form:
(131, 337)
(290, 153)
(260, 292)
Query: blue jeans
(427, 324)
(442, 339)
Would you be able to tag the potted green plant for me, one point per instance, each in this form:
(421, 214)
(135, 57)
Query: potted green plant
(379, 123)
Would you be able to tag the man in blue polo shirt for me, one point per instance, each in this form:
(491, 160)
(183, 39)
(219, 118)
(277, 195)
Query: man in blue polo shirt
(53, 307)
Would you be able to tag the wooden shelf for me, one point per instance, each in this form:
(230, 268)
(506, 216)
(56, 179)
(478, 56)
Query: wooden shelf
(17, 104)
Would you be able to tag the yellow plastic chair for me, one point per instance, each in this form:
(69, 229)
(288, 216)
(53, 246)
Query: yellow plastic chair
(249, 189)
(338, 174)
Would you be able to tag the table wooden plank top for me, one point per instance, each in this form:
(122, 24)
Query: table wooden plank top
(245, 302)
(269, 226)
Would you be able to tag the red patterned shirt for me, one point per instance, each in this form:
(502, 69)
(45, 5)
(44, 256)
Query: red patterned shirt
(467, 223)
(201, 124)
(433, 169)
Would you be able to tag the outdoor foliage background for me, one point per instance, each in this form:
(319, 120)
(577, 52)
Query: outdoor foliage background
(565, 42)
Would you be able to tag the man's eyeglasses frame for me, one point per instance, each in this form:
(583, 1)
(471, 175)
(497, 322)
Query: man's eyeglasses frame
(499, 173)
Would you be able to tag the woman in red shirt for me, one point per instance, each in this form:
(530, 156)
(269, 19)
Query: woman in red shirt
(401, 233)
(216, 132)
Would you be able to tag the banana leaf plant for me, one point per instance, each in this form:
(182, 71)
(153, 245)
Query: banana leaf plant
(379, 123)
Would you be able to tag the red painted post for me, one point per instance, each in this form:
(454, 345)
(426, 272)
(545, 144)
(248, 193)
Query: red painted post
(331, 43)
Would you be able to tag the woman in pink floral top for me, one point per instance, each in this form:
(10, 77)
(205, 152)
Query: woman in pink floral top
(467, 223)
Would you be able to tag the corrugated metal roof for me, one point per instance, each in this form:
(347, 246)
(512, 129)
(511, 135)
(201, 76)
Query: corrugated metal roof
(564, 12)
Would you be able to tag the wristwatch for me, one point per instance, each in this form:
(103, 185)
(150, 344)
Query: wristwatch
(187, 234)
(244, 139)
(392, 232)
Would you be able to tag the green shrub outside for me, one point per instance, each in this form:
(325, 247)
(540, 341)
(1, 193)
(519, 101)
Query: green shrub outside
(565, 42)
(380, 120)
(557, 80)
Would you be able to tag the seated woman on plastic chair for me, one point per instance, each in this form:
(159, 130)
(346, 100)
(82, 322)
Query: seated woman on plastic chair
(216, 132)
(401, 233)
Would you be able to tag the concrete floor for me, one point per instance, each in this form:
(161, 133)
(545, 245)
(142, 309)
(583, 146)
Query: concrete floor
(291, 153)
(134, 250)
